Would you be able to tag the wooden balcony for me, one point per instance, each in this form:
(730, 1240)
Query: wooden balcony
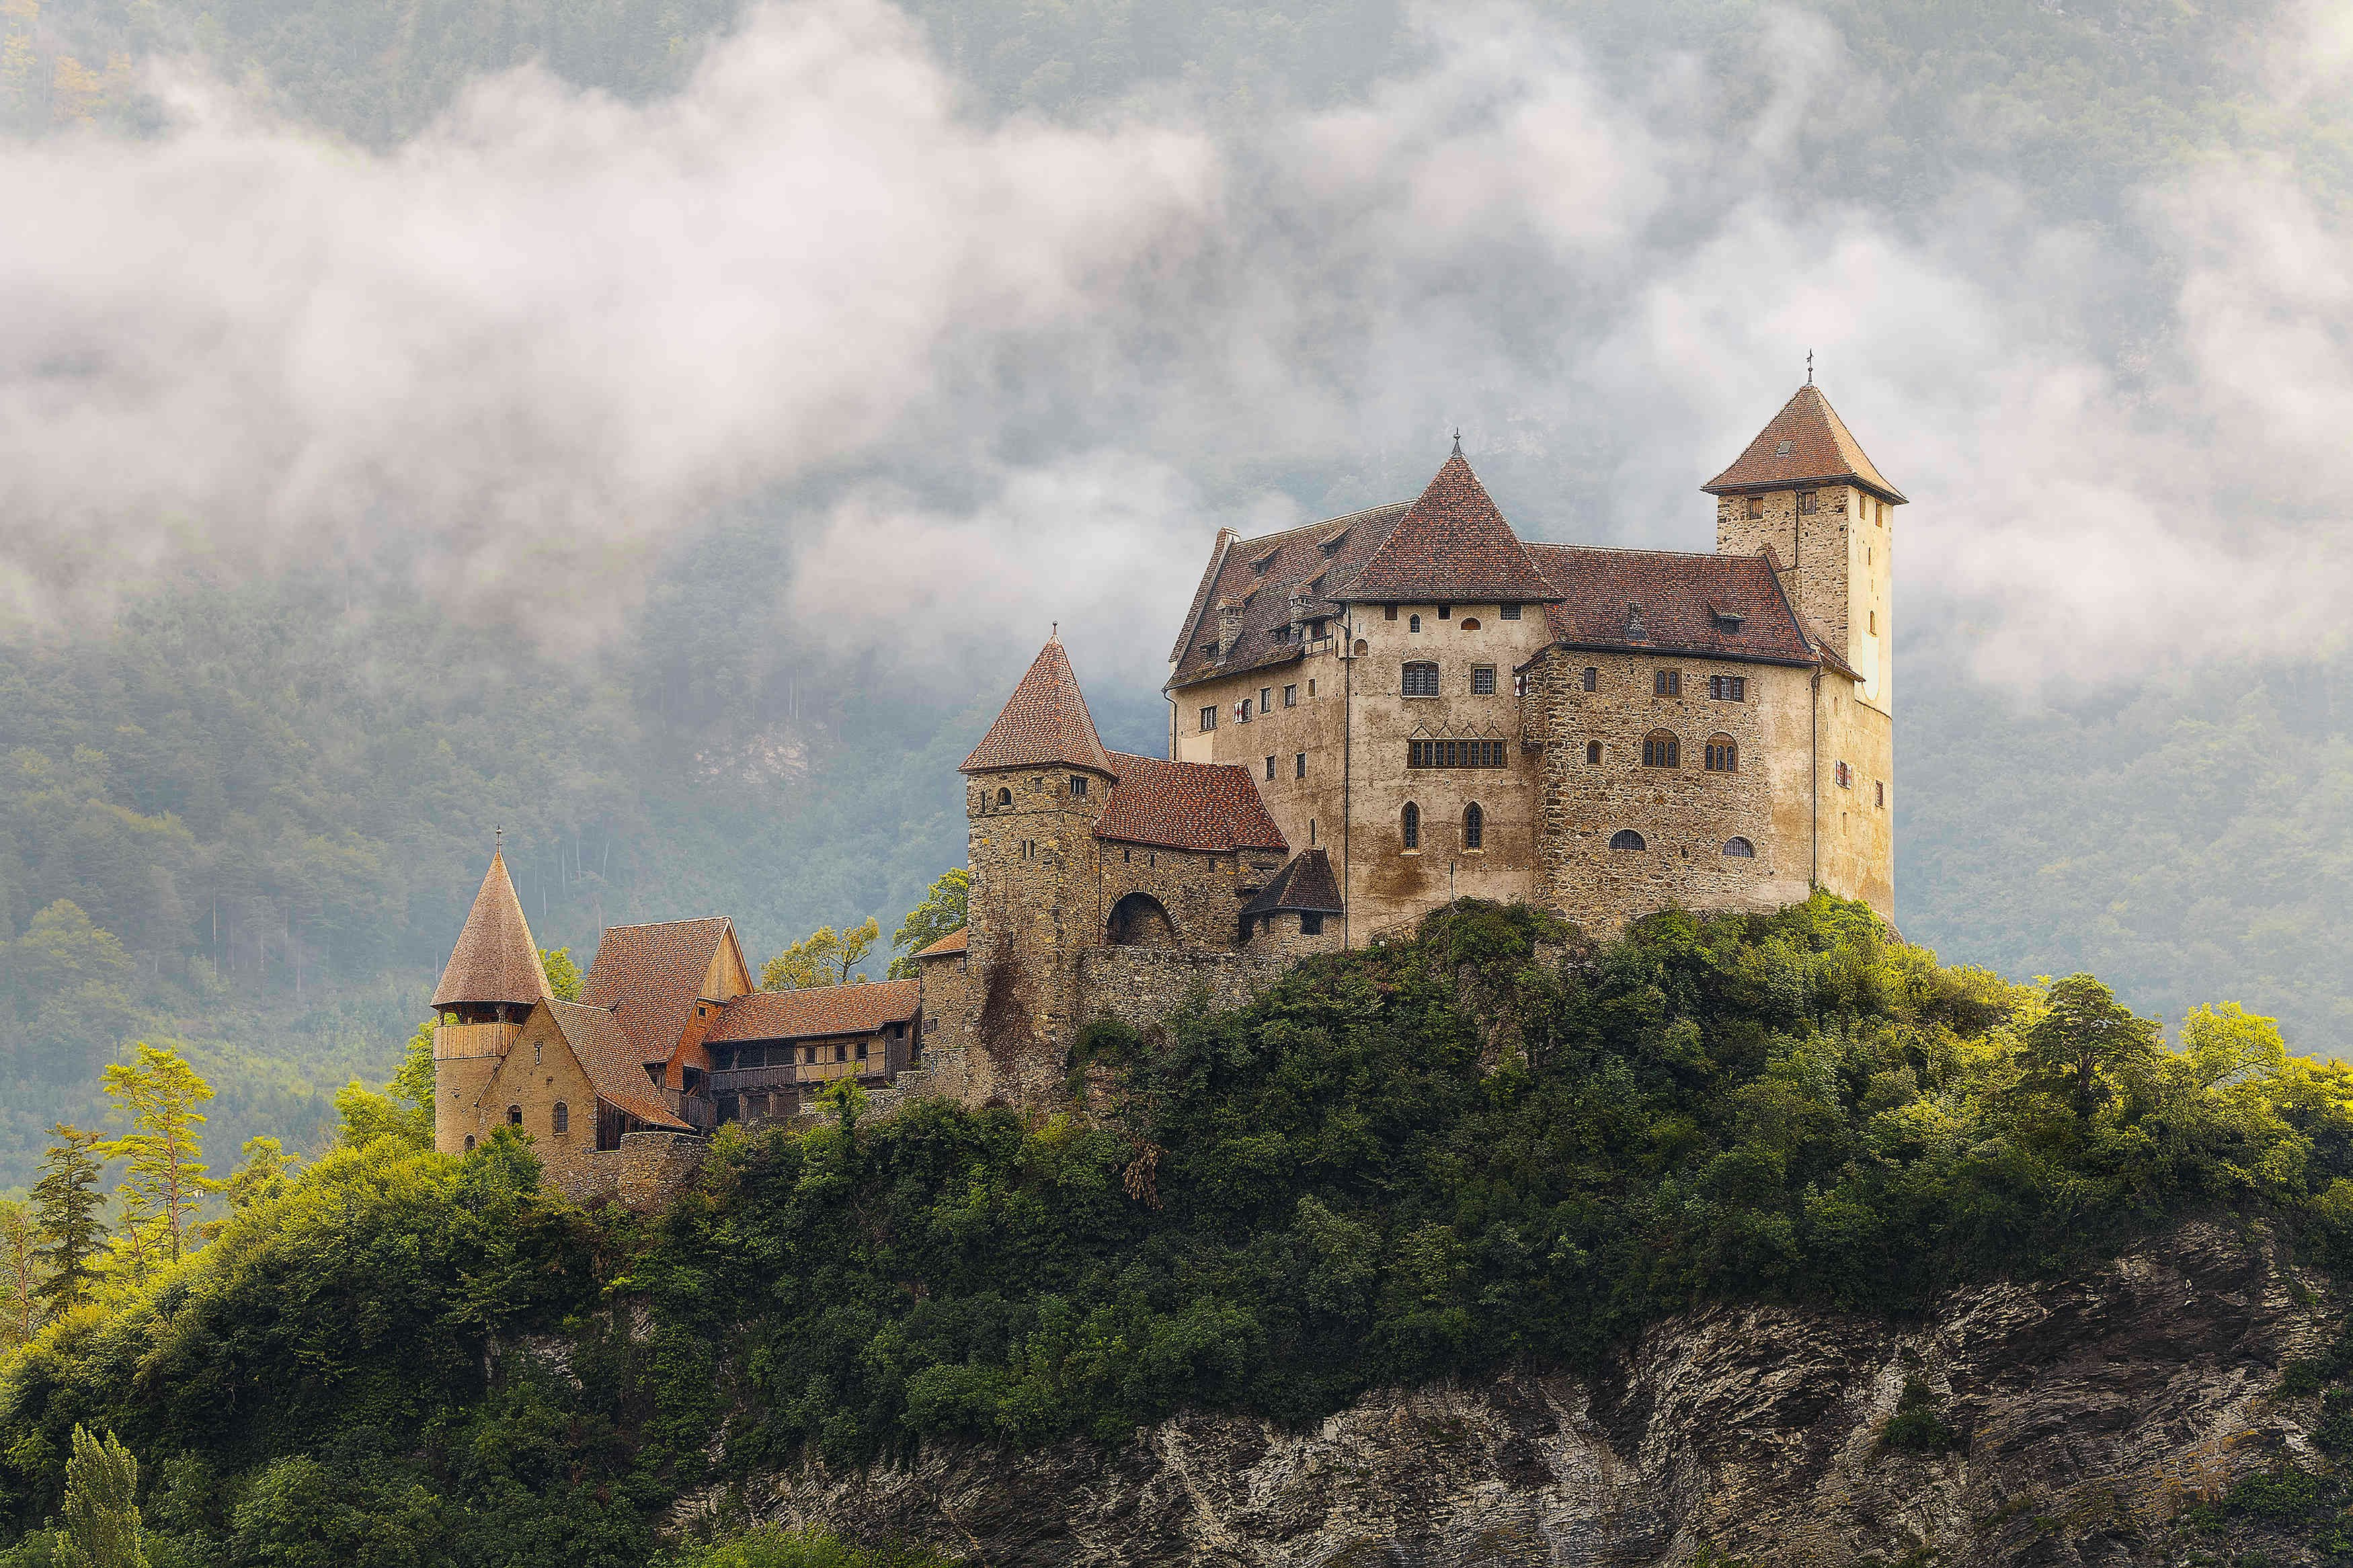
(753, 1081)
(455, 1042)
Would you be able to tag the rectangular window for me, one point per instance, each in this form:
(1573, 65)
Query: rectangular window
(1482, 680)
(1454, 754)
(1299, 767)
(1291, 697)
(1728, 687)
(1445, 612)
(1592, 678)
(1208, 720)
(1311, 686)
(1845, 776)
(1592, 753)
(1266, 699)
(1389, 611)
(1420, 681)
(1519, 683)
(1315, 630)
(1311, 923)
(1510, 612)
(1809, 501)
(1667, 683)
(1270, 770)
(1879, 791)
(1078, 784)
(1757, 506)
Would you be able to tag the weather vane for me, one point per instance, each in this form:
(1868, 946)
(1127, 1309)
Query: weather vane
(1809, 367)
(1458, 440)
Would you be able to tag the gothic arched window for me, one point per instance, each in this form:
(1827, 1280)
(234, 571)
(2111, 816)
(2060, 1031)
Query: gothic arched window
(1627, 838)
(1411, 823)
(1662, 750)
(1413, 622)
(1474, 827)
(563, 1117)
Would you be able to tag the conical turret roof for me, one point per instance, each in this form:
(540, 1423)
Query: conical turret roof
(1045, 723)
(1451, 546)
(495, 959)
(1806, 443)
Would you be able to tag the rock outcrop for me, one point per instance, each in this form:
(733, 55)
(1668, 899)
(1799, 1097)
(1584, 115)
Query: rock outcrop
(2060, 1422)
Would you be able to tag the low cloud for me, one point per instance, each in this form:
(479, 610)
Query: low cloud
(1030, 369)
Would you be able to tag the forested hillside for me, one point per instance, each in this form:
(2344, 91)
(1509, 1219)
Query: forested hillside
(1486, 1144)
(247, 818)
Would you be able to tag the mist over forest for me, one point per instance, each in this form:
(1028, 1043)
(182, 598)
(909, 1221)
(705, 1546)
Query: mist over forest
(664, 431)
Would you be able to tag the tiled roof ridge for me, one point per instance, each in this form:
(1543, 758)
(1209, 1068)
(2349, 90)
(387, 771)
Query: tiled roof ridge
(495, 958)
(1639, 550)
(805, 1011)
(1453, 543)
(652, 925)
(1045, 722)
(1207, 807)
(618, 1079)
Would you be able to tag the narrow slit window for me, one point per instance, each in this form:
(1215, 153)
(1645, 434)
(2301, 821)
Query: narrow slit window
(1409, 823)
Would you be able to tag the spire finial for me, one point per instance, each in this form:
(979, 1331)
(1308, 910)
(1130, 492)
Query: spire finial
(1458, 440)
(1809, 367)
(497, 839)
(1055, 633)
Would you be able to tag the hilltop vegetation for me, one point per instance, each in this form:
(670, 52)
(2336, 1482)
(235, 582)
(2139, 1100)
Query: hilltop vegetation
(1488, 1143)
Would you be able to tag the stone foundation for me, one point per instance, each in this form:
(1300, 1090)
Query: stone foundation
(1142, 985)
(650, 1166)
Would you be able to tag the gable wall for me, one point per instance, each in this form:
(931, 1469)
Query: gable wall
(538, 1072)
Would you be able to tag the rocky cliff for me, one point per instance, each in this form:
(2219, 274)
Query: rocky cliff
(2069, 1421)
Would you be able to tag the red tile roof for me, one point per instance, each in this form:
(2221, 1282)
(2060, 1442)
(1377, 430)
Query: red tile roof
(1306, 561)
(1454, 546)
(819, 1010)
(1807, 441)
(948, 946)
(1211, 806)
(1305, 882)
(654, 973)
(1045, 723)
(495, 959)
(611, 1061)
(1661, 601)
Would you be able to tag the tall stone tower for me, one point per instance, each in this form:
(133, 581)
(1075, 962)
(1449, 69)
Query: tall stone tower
(1035, 787)
(1805, 489)
(494, 980)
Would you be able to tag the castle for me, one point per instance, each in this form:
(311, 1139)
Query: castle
(1368, 718)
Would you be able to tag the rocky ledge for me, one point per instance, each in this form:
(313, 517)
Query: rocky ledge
(2050, 1421)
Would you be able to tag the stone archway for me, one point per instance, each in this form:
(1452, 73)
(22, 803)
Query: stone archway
(1139, 919)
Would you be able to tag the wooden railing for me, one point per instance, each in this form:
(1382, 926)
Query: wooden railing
(452, 1041)
(736, 1080)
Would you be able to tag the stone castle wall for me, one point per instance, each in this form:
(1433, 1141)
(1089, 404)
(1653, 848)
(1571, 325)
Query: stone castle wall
(1837, 565)
(1142, 985)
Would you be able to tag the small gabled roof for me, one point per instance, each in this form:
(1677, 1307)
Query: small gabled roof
(1451, 546)
(1209, 806)
(1045, 723)
(1305, 882)
(948, 946)
(654, 973)
(495, 959)
(1806, 443)
(607, 1055)
(1302, 567)
(819, 1010)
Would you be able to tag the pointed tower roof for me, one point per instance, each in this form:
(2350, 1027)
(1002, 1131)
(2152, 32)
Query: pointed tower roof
(1452, 546)
(1045, 723)
(495, 959)
(1806, 443)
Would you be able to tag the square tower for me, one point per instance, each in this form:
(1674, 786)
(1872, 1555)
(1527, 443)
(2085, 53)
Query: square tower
(1805, 489)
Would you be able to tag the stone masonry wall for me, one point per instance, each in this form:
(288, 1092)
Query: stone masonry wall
(1685, 813)
(1838, 566)
(1142, 985)
(649, 1166)
(1035, 898)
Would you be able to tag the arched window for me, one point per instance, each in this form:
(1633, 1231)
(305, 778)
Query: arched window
(469, 1142)
(1722, 754)
(514, 1115)
(1592, 753)
(1412, 825)
(1474, 827)
(1413, 622)
(1740, 849)
(1005, 797)
(1662, 750)
(1627, 838)
(563, 1117)
(1470, 623)
(1363, 648)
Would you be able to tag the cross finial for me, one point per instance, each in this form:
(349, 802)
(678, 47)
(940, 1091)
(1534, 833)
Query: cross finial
(1809, 367)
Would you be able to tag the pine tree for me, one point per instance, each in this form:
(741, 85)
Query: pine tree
(166, 1179)
(66, 1202)
(102, 1505)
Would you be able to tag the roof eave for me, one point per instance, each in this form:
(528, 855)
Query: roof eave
(1719, 486)
(1683, 650)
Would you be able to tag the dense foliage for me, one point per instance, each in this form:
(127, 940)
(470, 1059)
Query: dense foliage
(1485, 1144)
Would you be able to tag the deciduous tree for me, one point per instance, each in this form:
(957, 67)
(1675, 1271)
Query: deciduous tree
(944, 910)
(824, 957)
(2082, 1032)
(101, 1506)
(166, 1182)
(20, 1274)
(563, 975)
